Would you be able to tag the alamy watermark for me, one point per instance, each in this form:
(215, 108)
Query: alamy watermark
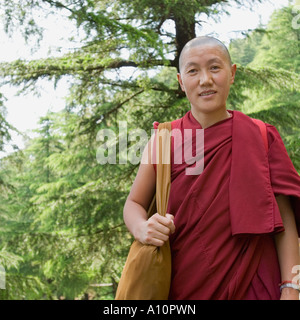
(296, 19)
(296, 270)
(188, 147)
(2, 277)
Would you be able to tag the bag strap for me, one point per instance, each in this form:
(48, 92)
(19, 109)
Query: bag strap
(163, 166)
(263, 130)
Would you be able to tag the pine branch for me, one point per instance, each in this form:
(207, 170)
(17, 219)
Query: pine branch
(19, 72)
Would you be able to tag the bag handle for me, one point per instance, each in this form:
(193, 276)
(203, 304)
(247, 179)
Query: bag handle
(163, 166)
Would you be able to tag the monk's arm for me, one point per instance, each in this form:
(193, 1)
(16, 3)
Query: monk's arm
(156, 229)
(287, 246)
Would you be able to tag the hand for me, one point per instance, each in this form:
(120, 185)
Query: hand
(289, 294)
(156, 230)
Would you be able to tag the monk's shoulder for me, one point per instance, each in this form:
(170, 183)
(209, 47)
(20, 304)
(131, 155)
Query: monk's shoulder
(273, 134)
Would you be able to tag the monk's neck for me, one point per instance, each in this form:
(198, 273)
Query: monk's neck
(208, 119)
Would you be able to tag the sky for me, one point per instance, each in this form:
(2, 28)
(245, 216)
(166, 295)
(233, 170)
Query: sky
(24, 111)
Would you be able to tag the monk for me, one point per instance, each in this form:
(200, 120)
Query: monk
(234, 227)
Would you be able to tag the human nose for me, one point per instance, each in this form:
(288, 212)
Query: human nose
(205, 78)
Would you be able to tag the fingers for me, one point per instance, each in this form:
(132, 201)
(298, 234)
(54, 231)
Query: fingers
(166, 222)
(158, 229)
(171, 225)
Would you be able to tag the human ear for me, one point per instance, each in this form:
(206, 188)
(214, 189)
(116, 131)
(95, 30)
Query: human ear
(180, 81)
(233, 71)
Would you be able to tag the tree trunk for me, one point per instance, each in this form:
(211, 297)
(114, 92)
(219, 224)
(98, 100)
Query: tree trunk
(185, 31)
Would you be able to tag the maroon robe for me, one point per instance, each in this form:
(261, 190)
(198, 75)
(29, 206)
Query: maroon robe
(225, 217)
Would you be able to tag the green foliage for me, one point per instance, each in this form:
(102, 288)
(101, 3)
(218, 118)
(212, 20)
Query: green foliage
(281, 43)
(244, 50)
(62, 234)
(274, 68)
(5, 127)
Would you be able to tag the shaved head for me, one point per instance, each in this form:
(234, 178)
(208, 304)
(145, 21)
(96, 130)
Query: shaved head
(204, 41)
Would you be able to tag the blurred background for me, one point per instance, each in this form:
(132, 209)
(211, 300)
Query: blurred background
(69, 68)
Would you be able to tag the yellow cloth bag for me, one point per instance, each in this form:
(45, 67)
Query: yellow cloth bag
(147, 271)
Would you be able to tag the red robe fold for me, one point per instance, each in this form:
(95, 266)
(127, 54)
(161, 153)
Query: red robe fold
(226, 216)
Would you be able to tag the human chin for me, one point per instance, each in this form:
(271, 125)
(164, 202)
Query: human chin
(208, 106)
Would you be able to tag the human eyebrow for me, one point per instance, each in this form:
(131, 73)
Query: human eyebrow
(189, 65)
(214, 60)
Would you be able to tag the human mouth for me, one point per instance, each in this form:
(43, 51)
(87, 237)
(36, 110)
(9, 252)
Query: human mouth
(207, 93)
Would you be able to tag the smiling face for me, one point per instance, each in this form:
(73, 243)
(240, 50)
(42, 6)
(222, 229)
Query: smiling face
(206, 75)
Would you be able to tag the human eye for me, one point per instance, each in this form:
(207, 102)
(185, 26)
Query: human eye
(215, 67)
(191, 71)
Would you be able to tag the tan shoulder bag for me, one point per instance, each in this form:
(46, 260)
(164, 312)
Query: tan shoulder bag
(147, 271)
